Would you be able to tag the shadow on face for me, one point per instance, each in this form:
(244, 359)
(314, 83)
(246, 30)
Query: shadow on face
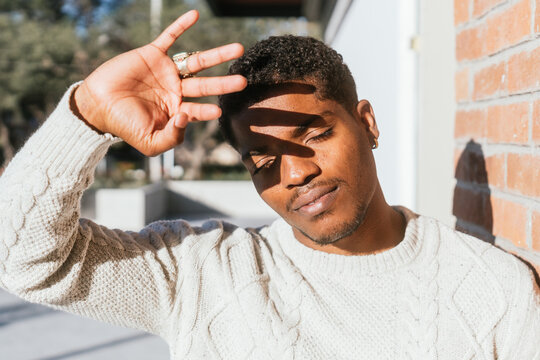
(277, 135)
(310, 158)
(284, 138)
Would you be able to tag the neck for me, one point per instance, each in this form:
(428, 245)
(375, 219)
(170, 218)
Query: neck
(382, 229)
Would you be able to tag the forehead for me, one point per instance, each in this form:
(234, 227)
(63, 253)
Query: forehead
(279, 113)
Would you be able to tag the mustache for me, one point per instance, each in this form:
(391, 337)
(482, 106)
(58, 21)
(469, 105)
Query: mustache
(312, 185)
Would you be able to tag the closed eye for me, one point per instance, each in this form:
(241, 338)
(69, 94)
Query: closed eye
(263, 164)
(323, 136)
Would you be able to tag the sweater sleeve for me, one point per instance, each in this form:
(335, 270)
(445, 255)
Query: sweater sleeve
(50, 256)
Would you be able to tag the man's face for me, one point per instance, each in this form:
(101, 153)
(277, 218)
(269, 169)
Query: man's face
(310, 161)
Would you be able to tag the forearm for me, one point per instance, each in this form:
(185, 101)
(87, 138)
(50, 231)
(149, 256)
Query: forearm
(40, 194)
(50, 256)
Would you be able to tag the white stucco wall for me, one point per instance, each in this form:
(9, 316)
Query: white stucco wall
(374, 38)
(437, 106)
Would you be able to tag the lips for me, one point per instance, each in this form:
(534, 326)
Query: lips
(315, 201)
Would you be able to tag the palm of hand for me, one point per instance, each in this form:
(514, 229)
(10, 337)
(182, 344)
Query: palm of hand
(137, 95)
(149, 92)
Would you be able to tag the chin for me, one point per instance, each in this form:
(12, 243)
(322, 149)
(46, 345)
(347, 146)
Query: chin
(333, 228)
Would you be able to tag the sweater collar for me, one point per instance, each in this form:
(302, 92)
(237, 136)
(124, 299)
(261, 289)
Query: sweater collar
(306, 258)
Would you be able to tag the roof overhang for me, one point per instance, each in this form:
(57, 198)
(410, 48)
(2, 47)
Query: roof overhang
(313, 10)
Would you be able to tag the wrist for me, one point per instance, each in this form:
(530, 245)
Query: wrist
(81, 104)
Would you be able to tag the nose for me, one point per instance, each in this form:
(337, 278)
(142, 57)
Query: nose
(297, 171)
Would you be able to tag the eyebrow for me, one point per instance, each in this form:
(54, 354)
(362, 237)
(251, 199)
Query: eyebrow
(299, 130)
(304, 126)
(256, 151)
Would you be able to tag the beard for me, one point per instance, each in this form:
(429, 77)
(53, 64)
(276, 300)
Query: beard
(339, 231)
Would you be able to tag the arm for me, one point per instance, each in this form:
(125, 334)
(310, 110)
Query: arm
(47, 254)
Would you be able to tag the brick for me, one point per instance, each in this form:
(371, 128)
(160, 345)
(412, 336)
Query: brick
(537, 17)
(490, 81)
(536, 230)
(461, 11)
(457, 155)
(480, 7)
(495, 169)
(508, 27)
(480, 234)
(524, 71)
(471, 165)
(508, 123)
(462, 85)
(498, 31)
(510, 221)
(470, 124)
(536, 122)
(473, 206)
(523, 174)
(469, 44)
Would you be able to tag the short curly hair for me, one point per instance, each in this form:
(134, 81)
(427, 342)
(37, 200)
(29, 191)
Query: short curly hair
(286, 59)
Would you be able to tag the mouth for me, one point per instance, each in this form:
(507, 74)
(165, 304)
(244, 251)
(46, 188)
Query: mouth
(315, 201)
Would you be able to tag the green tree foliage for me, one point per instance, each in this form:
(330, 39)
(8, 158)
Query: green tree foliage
(45, 10)
(40, 55)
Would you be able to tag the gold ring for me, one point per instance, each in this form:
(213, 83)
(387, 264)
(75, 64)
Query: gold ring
(180, 60)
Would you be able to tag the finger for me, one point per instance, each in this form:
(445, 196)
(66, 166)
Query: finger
(165, 40)
(171, 135)
(218, 85)
(202, 112)
(208, 58)
(181, 120)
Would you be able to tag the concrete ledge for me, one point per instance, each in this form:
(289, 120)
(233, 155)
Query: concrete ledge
(132, 209)
(228, 198)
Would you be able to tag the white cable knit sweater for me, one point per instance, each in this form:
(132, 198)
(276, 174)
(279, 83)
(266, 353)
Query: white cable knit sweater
(222, 292)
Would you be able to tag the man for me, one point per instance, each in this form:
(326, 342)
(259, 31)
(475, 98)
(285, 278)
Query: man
(342, 275)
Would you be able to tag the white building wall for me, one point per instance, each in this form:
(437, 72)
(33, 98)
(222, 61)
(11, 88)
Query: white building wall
(437, 107)
(375, 38)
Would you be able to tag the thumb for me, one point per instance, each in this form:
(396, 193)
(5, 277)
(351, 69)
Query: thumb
(172, 134)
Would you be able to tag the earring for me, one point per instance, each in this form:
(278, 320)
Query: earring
(376, 143)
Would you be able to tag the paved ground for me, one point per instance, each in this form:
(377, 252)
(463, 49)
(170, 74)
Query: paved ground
(34, 332)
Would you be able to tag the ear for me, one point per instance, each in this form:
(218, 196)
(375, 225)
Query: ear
(367, 117)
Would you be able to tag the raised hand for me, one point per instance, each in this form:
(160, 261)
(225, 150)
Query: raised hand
(137, 95)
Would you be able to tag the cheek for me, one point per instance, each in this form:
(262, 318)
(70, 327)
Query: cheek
(275, 199)
(347, 157)
(339, 155)
(266, 188)
(266, 182)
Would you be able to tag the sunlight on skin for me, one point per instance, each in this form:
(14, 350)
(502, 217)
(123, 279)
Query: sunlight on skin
(137, 95)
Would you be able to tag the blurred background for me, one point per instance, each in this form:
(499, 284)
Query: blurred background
(455, 86)
(49, 44)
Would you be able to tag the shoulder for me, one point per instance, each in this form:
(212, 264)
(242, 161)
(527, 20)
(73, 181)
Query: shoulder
(463, 249)
(213, 239)
(486, 288)
(212, 233)
(471, 265)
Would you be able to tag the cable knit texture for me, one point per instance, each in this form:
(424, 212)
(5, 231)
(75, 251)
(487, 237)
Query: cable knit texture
(223, 292)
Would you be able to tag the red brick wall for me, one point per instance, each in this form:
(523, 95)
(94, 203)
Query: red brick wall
(497, 123)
